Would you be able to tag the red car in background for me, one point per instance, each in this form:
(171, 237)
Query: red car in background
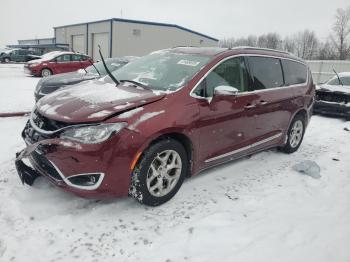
(57, 62)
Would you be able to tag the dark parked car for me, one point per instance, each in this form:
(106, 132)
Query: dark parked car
(167, 116)
(18, 55)
(50, 84)
(333, 97)
(57, 62)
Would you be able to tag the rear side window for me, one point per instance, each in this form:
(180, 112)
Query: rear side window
(266, 72)
(294, 72)
(84, 58)
(79, 58)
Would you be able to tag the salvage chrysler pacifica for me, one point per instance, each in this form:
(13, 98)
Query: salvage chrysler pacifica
(165, 117)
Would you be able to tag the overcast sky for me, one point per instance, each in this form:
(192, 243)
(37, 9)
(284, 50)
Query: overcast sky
(218, 18)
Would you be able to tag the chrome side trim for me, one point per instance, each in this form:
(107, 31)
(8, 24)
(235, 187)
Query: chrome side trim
(192, 94)
(244, 148)
(66, 179)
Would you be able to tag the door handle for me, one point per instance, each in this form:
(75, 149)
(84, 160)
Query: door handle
(249, 106)
(263, 102)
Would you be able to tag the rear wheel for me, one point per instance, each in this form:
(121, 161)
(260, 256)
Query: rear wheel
(160, 173)
(46, 72)
(295, 135)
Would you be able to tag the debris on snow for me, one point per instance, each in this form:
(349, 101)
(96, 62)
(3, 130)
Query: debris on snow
(309, 168)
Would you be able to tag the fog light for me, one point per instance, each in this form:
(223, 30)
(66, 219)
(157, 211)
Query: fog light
(85, 181)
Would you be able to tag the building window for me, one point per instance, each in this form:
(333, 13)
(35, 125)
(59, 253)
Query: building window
(136, 32)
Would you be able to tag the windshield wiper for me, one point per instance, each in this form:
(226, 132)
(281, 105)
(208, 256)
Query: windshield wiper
(338, 77)
(136, 83)
(105, 66)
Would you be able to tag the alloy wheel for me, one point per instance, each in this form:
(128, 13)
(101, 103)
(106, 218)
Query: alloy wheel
(296, 133)
(164, 173)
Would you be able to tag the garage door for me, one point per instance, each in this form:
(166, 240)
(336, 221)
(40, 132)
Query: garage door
(78, 43)
(101, 39)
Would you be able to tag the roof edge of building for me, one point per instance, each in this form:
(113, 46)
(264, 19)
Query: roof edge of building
(142, 22)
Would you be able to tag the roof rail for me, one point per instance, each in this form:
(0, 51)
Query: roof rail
(260, 48)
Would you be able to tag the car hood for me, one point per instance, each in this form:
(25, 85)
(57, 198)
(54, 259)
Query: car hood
(335, 88)
(38, 61)
(66, 78)
(93, 101)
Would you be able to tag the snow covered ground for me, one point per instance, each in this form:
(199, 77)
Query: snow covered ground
(17, 89)
(254, 209)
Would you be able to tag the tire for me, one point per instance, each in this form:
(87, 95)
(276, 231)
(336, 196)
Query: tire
(296, 133)
(7, 60)
(153, 181)
(45, 72)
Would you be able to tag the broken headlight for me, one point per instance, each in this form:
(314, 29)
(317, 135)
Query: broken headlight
(92, 134)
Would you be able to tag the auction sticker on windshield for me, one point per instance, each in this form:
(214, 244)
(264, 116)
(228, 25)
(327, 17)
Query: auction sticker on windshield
(188, 63)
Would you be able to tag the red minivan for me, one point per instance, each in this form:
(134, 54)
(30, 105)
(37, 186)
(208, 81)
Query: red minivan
(57, 62)
(165, 117)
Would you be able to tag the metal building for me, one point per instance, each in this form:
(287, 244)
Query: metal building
(121, 37)
(38, 41)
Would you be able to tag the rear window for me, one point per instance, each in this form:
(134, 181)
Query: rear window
(294, 72)
(266, 72)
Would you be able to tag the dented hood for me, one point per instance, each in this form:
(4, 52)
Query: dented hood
(93, 101)
(335, 88)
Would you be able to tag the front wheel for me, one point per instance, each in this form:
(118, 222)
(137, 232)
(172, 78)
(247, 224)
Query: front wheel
(46, 72)
(295, 135)
(7, 60)
(160, 173)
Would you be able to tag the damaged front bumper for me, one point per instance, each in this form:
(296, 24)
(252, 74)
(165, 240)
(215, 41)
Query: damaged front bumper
(39, 165)
(26, 173)
(87, 170)
(332, 108)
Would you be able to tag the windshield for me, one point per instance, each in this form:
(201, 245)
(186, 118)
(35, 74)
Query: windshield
(163, 70)
(335, 81)
(112, 64)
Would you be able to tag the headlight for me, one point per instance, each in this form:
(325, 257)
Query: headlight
(33, 65)
(92, 134)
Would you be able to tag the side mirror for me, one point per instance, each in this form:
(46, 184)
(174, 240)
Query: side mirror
(225, 91)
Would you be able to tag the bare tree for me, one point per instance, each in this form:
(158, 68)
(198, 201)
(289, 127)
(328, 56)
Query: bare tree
(326, 51)
(306, 44)
(341, 31)
(289, 45)
(232, 42)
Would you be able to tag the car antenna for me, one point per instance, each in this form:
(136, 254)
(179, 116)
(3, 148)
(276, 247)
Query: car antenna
(338, 77)
(105, 66)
